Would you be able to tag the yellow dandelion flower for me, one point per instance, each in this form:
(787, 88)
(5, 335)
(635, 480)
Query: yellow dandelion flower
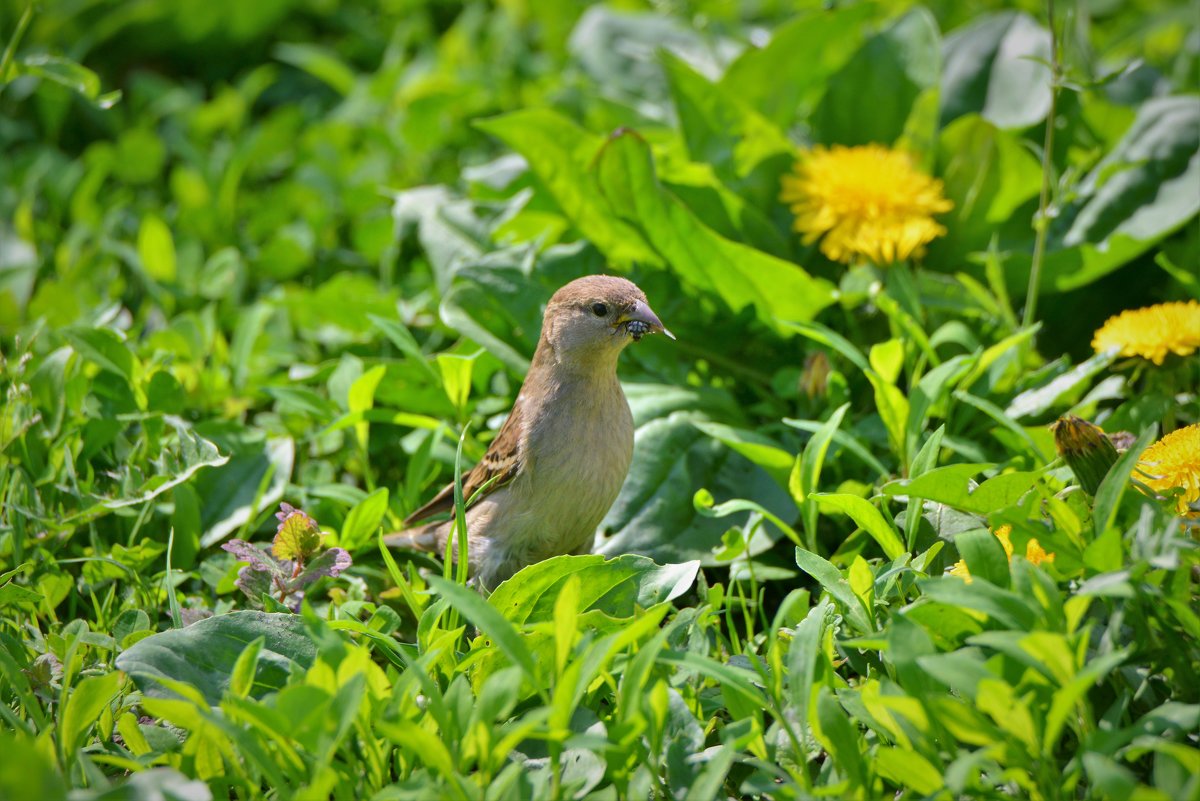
(1174, 461)
(867, 201)
(1152, 332)
(1034, 553)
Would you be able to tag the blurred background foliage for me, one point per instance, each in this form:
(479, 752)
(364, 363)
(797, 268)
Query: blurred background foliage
(290, 249)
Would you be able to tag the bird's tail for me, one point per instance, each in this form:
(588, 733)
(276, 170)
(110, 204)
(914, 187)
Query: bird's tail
(424, 538)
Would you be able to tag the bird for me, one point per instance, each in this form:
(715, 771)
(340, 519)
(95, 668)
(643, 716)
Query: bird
(560, 458)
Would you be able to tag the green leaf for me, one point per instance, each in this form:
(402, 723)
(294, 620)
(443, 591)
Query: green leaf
(996, 66)
(456, 377)
(1060, 390)
(319, 62)
(1108, 496)
(241, 679)
(892, 69)
(297, 538)
(27, 771)
(951, 485)
(68, 73)
(745, 150)
(106, 350)
(893, 409)
(561, 154)
(182, 459)
(204, 655)
(654, 513)
(760, 449)
(906, 767)
(364, 520)
(231, 495)
(866, 516)
(838, 588)
(785, 78)
(1143, 190)
(405, 342)
(490, 621)
(156, 249)
(1006, 607)
(984, 555)
(705, 261)
(832, 339)
(361, 398)
(617, 587)
(85, 702)
(839, 736)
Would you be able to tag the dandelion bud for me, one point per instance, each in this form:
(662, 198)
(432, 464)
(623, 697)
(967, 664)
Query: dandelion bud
(1085, 449)
(814, 381)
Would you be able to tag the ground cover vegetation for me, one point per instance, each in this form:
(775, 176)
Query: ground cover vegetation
(912, 511)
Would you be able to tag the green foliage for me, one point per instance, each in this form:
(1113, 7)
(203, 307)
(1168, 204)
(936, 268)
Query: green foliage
(297, 251)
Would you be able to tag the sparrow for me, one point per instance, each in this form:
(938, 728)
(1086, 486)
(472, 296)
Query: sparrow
(560, 458)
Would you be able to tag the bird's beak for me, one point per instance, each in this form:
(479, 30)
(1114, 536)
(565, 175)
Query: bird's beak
(641, 313)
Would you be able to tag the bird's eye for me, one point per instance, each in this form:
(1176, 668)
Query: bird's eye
(600, 309)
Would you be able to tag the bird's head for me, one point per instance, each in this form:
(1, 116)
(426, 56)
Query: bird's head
(591, 319)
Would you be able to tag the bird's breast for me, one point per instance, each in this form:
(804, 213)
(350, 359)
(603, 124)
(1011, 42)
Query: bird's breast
(577, 458)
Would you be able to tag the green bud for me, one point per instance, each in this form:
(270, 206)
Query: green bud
(1086, 449)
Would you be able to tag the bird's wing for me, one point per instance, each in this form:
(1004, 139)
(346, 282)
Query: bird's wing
(498, 466)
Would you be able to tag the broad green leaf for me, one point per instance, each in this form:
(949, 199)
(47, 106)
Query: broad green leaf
(616, 587)
(85, 701)
(745, 149)
(996, 66)
(866, 516)
(319, 62)
(760, 449)
(204, 654)
(364, 520)
(984, 555)
(988, 174)
(892, 68)
(185, 455)
(456, 377)
(156, 249)
(705, 261)
(251, 481)
(840, 737)
(1061, 390)
(562, 154)
(1004, 606)
(951, 485)
(106, 350)
(1141, 191)
(906, 767)
(654, 514)
(785, 78)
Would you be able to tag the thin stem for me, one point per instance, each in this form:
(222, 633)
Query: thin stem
(11, 50)
(1042, 223)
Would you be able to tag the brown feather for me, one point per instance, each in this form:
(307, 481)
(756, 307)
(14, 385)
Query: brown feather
(501, 462)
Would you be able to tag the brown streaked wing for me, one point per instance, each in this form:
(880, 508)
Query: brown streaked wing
(500, 462)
